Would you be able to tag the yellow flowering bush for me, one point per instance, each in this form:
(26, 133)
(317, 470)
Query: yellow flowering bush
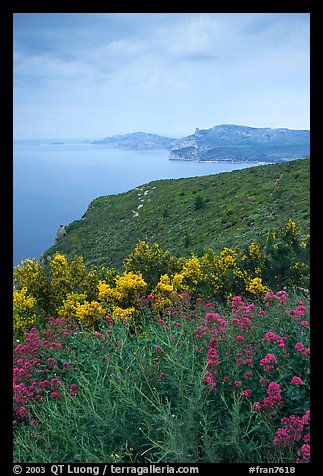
(124, 314)
(191, 275)
(30, 275)
(163, 292)
(177, 281)
(67, 289)
(164, 285)
(255, 286)
(255, 250)
(122, 297)
(24, 307)
(89, 313)
(108, 293)
(291, 229)
(129, 285)
(151, 262)
(66, 277)
(70, 304)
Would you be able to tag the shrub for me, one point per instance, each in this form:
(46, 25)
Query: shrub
(190, 383)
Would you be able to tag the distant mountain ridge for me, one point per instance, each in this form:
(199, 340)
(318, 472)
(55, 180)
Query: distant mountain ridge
(138, 141)
(225, 142)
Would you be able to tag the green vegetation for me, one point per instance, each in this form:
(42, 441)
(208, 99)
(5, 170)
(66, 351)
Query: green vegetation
(194, 351)
(190, 384)
(191, 215)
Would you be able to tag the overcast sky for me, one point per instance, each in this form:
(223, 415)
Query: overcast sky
(92, 75)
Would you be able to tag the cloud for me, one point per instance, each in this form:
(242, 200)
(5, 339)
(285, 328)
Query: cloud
(170, 71)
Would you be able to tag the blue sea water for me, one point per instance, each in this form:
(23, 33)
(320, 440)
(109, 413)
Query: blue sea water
(54, 182)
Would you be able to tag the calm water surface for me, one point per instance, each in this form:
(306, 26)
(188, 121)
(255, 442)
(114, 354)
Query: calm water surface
(55, 182)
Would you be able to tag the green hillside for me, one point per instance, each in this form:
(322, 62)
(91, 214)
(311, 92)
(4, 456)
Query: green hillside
(191, 215)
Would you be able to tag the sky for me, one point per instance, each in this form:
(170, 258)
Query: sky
(94, 75)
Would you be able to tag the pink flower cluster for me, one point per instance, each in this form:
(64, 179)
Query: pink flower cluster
(241, 311)
(215, 326)
(302, 349)
(32, 377)
(294, 429)
(300, 311)
(272, 337)
(271, 297)
(269, 362)
(273, 399)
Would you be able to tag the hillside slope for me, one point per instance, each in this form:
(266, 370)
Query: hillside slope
(191, 215)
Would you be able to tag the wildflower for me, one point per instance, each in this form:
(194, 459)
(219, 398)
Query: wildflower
(305, 453)
(67, 364)
(296, 381)
(239, 339)
(246, 393)
(255, 286)
(306, 438)
(237, 383)
(209, 380)
(306, 417)
(299, 347)
(274, 397)
(268, 362)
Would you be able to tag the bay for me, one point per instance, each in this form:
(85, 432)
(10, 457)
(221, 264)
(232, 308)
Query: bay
(54, 182)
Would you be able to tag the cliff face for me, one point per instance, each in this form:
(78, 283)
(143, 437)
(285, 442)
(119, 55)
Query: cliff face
(240, 143)
(226, 142)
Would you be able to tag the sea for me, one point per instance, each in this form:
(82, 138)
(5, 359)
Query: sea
(54, 182)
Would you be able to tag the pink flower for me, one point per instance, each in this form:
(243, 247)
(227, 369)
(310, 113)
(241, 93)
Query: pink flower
(268, 362)
(162, 374)
(239, 339)
(304, 454)
(296, 381)
(274, 398)
(306, 417)
(237, 383)
(304, 323)
(209, 380)
(306, 438)
(246, 393)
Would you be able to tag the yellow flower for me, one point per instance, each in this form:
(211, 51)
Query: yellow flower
(70, 304)
(177, 281)
(164, 284)
(107, 293)
(238, 273)
(258, 271)
(229, 261)
(23, 310)
(291, 228)
(255, 286)
(255, 250)
(123, 313)
(130, 283)
(89, 312)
